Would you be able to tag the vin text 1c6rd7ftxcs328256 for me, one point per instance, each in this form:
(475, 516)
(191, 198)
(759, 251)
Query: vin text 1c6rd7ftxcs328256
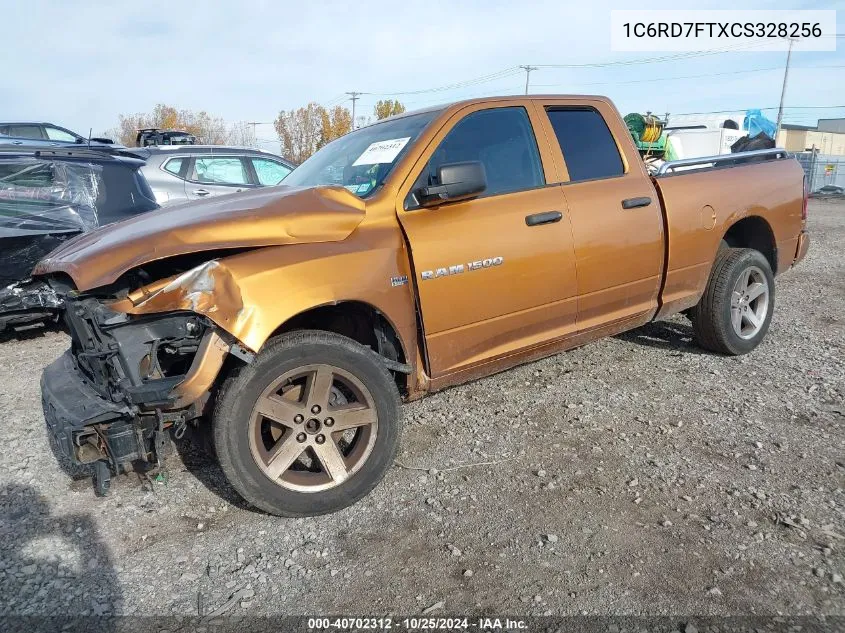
(414, 254)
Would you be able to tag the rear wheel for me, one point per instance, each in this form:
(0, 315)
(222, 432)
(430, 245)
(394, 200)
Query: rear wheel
(736, 308)
(310, 427)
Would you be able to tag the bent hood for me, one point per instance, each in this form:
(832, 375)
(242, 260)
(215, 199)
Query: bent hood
(264, 217)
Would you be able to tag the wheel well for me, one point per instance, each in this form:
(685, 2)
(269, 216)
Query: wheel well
(359, 321)
(754, 232)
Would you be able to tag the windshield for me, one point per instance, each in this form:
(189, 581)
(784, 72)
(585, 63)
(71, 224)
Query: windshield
(361, 160)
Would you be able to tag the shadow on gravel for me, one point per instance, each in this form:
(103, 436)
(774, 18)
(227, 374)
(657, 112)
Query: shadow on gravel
(664, 335)
(197, 453)
(57, 573)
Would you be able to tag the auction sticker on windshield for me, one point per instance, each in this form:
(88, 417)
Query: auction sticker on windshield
(382, 152)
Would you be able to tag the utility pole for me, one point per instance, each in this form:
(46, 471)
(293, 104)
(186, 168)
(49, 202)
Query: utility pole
(253, 124)
(783, 90)
(354, 96)
(527, 70)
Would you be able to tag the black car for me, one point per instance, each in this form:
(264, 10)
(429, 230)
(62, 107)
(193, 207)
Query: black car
(829, 191)
(48, 196)
(155, 136)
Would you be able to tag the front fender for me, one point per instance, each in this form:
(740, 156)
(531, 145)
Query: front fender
(251, 295)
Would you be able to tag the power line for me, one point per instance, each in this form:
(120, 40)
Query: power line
(461, 84)
(654, 79)
(514, 70)
(336, 100)
(655, 60)
(510, 71)
(497, 90)
(256, 123)
(831, 107)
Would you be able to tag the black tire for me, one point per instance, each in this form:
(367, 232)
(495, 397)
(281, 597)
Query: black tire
(711, 317)
(240, 391)
(70, 468)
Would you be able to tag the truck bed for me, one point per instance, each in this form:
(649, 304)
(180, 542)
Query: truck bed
(758, 194)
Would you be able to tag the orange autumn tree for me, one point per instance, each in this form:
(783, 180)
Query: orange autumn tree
(387, 107)
(305, 130)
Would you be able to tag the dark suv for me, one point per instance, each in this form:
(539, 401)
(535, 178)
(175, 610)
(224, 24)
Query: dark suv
(48, 196)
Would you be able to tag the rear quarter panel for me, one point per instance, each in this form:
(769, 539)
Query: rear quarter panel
(701, 206)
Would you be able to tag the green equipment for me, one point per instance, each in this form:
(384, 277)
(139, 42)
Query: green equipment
(647, 131)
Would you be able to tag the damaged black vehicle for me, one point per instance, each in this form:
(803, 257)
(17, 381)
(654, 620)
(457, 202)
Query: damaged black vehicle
(48, 197)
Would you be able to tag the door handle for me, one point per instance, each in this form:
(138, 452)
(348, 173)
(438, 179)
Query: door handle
(547, 217)
(634, 203)
(201, 192)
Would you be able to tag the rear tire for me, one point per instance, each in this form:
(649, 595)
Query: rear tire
(736, 308)
(293, 452)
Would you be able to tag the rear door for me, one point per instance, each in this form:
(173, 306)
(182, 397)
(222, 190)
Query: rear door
(491, 281)
(617, 223)
(217, 176)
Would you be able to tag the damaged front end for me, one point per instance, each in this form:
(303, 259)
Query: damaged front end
(127, 381)
(156, 304)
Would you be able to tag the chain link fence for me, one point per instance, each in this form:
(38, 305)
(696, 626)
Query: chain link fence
(822, 169)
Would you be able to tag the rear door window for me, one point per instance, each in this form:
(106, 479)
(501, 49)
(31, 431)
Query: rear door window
(219, 171)
(174, 166)
(588, 146)
(269, 172)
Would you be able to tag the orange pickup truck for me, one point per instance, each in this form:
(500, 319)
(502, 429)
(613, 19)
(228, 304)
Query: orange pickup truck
(414, 254)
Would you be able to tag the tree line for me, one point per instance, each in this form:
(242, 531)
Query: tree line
(301, 132)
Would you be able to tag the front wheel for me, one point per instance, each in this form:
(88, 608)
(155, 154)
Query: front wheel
(310, 427)
(736, 308)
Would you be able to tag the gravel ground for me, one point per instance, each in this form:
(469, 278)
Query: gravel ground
(636, 475)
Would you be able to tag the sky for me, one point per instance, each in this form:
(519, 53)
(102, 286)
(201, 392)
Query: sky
(81, 64)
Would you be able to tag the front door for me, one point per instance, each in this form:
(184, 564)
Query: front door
(495, 274)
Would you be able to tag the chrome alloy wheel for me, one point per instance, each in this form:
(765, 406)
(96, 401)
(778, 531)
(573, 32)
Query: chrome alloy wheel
(749, 303)
(313, 428)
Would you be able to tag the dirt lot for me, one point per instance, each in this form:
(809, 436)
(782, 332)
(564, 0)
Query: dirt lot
(636, 475)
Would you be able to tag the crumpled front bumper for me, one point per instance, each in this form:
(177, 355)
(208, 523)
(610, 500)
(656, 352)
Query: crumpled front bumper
(70, 405)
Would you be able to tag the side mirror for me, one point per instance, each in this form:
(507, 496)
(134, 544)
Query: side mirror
(458, 181)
